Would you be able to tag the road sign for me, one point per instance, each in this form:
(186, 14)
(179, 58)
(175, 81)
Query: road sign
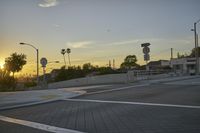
(145, 44)
(43, 62)
(146, 57)
(146, 50)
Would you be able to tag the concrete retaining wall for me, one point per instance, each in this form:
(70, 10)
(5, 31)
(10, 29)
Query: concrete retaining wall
(105, 79)
(102, 79)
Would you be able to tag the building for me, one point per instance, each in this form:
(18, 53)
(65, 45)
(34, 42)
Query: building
(158, 65)
(185, 65)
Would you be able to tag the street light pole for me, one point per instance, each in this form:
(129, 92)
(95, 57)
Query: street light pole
(196, 55)
(197, 52)
(37, 52)
(196, 46)
(37, 66)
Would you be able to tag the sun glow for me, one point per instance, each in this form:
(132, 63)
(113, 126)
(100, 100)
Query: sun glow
(1, 65)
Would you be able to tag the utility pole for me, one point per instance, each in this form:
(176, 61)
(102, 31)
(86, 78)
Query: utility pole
(113, 63)
(171, 58)
(171, 53)
(196, 46)
(196, 49)
(109, 63)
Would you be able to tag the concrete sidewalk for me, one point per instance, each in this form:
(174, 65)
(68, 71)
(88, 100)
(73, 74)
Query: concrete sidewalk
(25, 98)
(170, 79)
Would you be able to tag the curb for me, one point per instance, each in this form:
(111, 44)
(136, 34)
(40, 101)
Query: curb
(181, 79)
(167, 81)
(35, 103)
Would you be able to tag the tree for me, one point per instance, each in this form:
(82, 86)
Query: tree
(6, 81)
(87, 67)
(129, 62)
(63, 51)
(106, 70)
(182, 55)
(193, 52)
(15, 63)
(68, 52)
(69, 73)
(61, 74)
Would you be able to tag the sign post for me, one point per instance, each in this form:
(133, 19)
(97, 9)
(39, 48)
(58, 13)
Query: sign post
(146, 51)
(43, 62)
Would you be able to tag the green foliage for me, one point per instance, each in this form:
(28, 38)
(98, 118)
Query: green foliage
(87, 67)
(129, 62)
(77, 72)
(15, 62)
(70, 73)
(193, 52)
(181, 55)
(106, 70)
(7, 83)
(30, 84)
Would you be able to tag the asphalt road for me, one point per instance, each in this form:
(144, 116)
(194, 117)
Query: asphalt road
(154, 108)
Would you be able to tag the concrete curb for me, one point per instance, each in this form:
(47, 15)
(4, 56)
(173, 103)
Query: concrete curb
(37, 103)
(172, 79)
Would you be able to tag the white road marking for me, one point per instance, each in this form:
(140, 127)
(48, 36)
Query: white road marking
(183, 83)
(135, 103)
(122, 88)
(38, 125)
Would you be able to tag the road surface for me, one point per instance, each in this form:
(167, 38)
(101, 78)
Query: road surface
(121, 108)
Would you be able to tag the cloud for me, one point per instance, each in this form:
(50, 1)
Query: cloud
(134, 41)
(83, 44)
(123, 42)
(48, 3)
(56, 25)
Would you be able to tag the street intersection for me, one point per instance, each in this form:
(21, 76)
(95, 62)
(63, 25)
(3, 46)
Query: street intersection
(170, 107)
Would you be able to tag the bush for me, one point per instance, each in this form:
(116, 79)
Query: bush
(7, 83)
(87, 69)
(30, 84)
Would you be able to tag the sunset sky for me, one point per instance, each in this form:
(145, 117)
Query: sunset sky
(96, 30)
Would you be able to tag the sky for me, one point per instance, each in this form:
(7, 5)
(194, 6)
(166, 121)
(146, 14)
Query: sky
(96, 31)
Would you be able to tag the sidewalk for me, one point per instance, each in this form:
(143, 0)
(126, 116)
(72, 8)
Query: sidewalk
(26, 98)
(32, 97)
(170, 79)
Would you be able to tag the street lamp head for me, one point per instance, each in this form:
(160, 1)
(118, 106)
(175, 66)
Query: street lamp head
(192, 29)
(21, 43)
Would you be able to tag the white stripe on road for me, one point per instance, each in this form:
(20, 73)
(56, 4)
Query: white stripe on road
(122, 88)
(38, 125)
(135, 103)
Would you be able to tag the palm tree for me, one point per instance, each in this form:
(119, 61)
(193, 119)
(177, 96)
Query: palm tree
(63, 51)
(68, 52)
